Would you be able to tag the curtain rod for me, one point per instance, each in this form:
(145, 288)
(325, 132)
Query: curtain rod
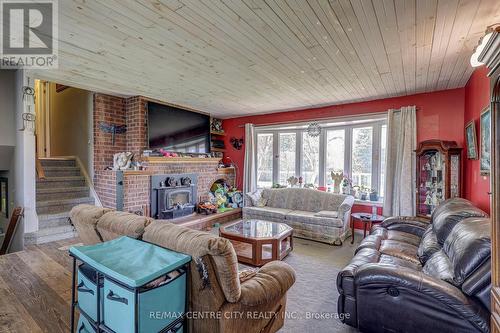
(316, 119)
(322, 119)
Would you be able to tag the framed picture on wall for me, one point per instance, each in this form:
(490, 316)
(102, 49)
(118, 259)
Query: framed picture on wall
(4, 197)
(485, 141)
(470, 138)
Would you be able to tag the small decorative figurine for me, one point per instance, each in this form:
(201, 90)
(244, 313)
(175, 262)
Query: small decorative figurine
(122, 161)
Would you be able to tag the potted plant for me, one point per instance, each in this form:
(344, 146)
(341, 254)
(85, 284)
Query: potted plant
(373, 195)
(364, 193)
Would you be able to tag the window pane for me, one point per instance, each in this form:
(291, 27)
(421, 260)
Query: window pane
(287, 145)
(310, 159)
(264, 160)
(362, 156)
(334, 153)
(383, 152)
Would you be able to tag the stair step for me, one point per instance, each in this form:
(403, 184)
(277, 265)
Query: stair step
(62, 171)
(68, 181)
(48, 162)
(50, 235)
(64, 190)
(53, 220)
(45, 194)
(58, 206)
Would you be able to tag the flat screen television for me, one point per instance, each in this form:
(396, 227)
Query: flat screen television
(178, 130)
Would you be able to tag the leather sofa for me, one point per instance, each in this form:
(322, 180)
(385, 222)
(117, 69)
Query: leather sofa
(217, 289)
(410, 275)
(315, 215)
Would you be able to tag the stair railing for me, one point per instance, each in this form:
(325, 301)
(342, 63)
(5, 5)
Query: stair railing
(39, 169)
(88, 180)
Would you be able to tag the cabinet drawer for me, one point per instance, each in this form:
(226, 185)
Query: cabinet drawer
(87, 291)
(84, 326)
(119, 307)
(161, 306)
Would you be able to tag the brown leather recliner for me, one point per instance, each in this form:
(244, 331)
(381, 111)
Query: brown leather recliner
(412, 276)
(220, 299)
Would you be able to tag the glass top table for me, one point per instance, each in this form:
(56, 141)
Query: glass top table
(257, 229)
(257, 242)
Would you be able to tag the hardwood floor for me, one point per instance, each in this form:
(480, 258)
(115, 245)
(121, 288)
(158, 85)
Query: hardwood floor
(35, 288)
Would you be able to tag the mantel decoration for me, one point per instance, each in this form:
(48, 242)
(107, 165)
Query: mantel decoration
(216, 125)
(485, 133)
(237, 143)
(122, 161)
(314, 129)
(470, 137)
(113, 129)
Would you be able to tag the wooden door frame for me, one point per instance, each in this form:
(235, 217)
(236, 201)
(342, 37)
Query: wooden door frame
(42, 111)
(495, 200)
(490, 56)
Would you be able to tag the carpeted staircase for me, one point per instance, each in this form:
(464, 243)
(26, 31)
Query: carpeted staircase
(63, 187)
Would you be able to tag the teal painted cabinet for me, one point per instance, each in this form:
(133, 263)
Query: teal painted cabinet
(129, 286)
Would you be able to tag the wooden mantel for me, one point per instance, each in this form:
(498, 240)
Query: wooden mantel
(162, 160)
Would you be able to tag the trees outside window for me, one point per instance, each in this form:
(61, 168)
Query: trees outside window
(287, 156)
(357, 150)
(264, 160)
(310, 159)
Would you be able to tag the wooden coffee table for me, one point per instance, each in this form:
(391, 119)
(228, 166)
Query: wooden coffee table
(258, 242)
(367, 219)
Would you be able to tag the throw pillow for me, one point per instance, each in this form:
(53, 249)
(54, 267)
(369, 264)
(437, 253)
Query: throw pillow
(262, 202)
(255, 196)
(327, 213)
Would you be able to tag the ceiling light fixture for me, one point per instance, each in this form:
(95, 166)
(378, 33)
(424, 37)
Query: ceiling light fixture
(474, 59)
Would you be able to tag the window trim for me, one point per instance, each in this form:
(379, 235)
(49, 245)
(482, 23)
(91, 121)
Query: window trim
(348, 144)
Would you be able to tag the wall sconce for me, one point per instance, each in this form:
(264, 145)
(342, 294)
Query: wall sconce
(483, 41)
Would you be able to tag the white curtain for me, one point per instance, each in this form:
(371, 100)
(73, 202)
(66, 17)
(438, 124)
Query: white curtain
(399, 197)
(249, 172)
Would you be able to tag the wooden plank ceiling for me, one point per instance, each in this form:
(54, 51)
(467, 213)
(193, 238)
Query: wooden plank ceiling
(237, 57)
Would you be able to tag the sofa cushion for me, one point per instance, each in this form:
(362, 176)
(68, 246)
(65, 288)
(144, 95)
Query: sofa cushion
(198, 244)
(439, 266)
(448, 203)
(468, 246)
(304, 199)
(311, 218)
(400, 250)
(84, 218)
(272, 212)
(396, 235)
(391, 260)
(444, 222)
(428, 245)
(115, 224)
(328, 213)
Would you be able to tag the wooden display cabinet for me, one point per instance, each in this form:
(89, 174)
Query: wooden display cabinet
(439, 174)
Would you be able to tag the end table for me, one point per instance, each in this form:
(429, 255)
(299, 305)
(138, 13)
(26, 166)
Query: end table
(367, 219)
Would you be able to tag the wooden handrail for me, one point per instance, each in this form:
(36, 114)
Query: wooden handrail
(39, 169)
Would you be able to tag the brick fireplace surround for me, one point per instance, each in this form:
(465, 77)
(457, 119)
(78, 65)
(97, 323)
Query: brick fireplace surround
(132, 112)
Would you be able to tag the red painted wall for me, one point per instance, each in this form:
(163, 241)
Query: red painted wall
(477, 95)
(440, 115)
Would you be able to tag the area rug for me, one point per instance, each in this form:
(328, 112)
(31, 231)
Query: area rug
(312, 300)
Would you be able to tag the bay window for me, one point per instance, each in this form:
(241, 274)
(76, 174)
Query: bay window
(356, 148)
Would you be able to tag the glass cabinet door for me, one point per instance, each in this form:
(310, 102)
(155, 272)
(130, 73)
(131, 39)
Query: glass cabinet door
(431, 181)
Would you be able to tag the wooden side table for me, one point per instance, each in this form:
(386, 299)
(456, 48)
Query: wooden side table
(367, 219)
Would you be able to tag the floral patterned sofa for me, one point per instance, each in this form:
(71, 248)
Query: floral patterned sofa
(315, 215)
